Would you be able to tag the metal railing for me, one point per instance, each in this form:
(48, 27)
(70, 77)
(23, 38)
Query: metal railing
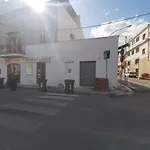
(7, 51)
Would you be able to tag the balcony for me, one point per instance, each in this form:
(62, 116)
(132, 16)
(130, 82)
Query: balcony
(9, 51)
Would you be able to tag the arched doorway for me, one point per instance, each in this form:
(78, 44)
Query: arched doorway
(13, 68)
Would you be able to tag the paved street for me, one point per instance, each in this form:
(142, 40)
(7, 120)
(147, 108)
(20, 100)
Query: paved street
(33, 120)
(136, 84)
(140, 81)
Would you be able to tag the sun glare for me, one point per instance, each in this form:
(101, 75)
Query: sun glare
(37, 5)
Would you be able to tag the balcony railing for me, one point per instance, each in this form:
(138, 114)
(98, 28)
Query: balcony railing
(12, 50)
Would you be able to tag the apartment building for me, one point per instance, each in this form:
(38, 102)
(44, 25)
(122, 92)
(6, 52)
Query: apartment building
(24, 26)
(32, 28)
(138, 52)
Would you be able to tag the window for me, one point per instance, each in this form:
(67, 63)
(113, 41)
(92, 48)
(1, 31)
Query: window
(137, 49)
(137, 39)
(128, 63)
(129, 45)
(29, 69)
(136, 61)
(143, 51)
(133, 42)
(128, 53)
(43, 38)
(144, 35)
(132, 52)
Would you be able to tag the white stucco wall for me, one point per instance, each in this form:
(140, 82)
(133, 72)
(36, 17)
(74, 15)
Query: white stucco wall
(76, 51)
(65, 21)
(30, 25)
(3, 73)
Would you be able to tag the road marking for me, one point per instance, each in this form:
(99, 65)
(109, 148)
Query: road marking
(46, 102)
(57, 98)
(30, 108)
(19, 123)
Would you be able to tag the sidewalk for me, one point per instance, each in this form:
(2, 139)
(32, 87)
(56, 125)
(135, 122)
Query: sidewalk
(80, 90)
(145, 83)
(120, 90)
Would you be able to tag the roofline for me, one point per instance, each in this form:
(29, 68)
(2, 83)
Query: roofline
(139, 33)
(98, 38)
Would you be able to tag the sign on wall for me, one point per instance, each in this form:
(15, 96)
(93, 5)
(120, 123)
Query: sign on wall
(107, 54)
(29, 69)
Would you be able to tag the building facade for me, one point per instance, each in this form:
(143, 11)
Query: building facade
(138, 52)
(76, 60)
(24, 27)
(50, 26)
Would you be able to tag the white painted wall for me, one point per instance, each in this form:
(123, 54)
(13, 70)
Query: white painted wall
(28, 79)
(65, 21)
(32, 25)
(3, 68)
(76, 51)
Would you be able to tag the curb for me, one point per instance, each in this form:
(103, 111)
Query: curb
(58, 90)
(145, 85)
(130, 91)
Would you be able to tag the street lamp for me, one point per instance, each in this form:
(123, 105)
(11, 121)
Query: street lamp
(120, 29)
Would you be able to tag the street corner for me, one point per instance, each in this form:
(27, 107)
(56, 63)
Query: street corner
(120, 90)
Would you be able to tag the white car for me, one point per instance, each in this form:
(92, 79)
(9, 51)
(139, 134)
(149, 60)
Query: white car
(131, 74)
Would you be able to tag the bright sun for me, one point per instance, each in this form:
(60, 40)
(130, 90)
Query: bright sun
(37, 5)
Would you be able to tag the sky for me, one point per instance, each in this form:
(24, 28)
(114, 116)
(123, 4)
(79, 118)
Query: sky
(100, 11)
(94, 12)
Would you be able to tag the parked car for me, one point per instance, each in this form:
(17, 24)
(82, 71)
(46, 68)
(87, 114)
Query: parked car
(131, 74)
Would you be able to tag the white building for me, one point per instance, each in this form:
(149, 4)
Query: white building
(24, 26)
(80, 60)
(34, 28)
(138, 52)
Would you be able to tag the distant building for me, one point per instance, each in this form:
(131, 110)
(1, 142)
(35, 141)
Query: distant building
(138, 52)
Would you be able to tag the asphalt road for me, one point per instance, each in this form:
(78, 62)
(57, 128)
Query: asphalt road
(84, 122)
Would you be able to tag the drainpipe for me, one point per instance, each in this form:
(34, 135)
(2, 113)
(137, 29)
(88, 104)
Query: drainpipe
(148, 42)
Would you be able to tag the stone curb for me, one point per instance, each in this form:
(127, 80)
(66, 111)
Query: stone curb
(130, 92)
(145, 85)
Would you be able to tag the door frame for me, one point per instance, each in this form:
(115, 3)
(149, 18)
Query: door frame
(40, 64)
(13, 64)
(80, 71)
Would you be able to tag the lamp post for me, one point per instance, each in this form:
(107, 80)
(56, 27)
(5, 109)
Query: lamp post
(120, 29)
(122, 50)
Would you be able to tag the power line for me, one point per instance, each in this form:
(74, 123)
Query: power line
(111, 22)
(90, 26)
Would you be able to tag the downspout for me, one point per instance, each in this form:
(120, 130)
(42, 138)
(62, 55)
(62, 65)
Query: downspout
(148, 42)
(56, 22)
